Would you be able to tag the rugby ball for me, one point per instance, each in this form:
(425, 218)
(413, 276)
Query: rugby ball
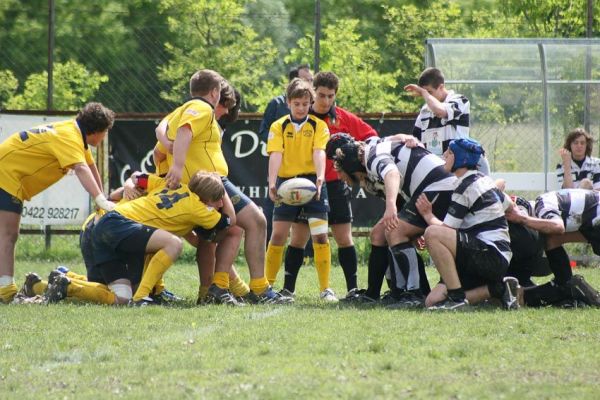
(296, 191)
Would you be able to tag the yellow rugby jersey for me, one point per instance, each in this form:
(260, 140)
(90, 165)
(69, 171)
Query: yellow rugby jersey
(175, 211)
(162, 168)
(204, 153)
(33, 160)
(297, 143)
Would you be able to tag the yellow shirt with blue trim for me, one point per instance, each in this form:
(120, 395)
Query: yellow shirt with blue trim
(297, 143)
(204, 153)
(34, 159)
(176, 211)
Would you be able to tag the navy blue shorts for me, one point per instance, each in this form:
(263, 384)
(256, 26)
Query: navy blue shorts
(238, 199)
(8, 202)
(117, 238)
(87, 249)
(312, 209)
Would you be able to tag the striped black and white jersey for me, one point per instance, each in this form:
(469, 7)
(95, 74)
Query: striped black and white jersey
(477, 207)
(420, 171)
(589, 168)
(435, 132)
(576, 207)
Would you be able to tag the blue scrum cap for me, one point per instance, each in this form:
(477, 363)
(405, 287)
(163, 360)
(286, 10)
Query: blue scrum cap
(467, 153)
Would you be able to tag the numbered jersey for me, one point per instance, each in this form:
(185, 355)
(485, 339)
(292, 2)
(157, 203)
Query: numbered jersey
(33, 160)
(176, 211)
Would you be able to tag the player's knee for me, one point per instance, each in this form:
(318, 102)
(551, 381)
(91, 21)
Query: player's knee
(174, 247)
(432, 233)
(321, 238)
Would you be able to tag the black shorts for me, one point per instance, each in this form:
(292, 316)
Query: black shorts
(8, 202)
(592, 235)
(340, 209)
(312, 209)
(477, 263)
(440, 200)
(238, 199)
(117, 238)
(87, 249)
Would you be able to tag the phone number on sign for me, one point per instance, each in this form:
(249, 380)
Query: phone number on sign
(50, 212)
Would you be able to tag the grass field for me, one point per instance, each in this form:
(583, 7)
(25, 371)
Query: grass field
(307, 350)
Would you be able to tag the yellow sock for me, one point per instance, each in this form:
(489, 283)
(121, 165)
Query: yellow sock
(221, 279)
(74, 275)
(90, 284)
(259, 285)
(202, 292)
(8, 292)
(159, 264)
(159, 287)
(96, 294)
(273, 260)
(238, 287)
(323, 263)
(40, 287)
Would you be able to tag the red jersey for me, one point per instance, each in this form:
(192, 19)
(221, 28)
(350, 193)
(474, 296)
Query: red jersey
(340, 120)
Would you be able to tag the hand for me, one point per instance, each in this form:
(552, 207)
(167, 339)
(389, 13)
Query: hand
(424, 206)
(420, 243)
(390, 217)
(565, 155)
(173, 177)
(415, 90)
(318, 184)
(130, 192)
(514, 215)
(412, 142)
(273, 194)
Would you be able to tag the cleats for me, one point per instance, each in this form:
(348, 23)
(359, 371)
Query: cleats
(583, 291)
(269, 296)
(30, 279)
(450, 305)
(408, 300)
(166, 297)
(57, 290)
(353, 294)
(286, 293)
(143, 302)
(328, 295)
(512, 290)
(216, 295)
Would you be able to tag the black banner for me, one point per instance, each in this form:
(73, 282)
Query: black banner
(131, 142)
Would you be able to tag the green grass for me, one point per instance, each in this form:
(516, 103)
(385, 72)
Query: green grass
(307, 350)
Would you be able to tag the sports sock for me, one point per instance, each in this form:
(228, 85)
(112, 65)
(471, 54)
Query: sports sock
(90, 284)
(273, 259)
(40, 287)
(322, 263)
(349, 264)
(424, 283)
(259, 285)
(74, 275)
(238, 287)
(159, 264)
(8, 292)
(294, 258)
(378, 264)
(159, 287)
(456, 295)
(560, 265)
(96, 294)
(221, 279)
(405, 256)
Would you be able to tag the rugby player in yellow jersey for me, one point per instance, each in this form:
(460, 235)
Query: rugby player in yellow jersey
(296, 148)
(225, 112)
(196, 137)
(32, 160)
(153, 224)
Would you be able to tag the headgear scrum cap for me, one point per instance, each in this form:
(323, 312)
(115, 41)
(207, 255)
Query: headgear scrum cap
(467, 153)
(336, 141)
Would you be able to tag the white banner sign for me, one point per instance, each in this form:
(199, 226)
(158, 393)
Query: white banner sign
(64, 203)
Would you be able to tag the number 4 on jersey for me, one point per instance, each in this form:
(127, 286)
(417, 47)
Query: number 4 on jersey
(168, 199)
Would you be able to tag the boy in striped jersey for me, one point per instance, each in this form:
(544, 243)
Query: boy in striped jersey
(564, 216)
(405, 169)
(471, 247)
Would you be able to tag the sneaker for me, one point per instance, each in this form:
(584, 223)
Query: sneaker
(57, 290)
(365, 300)
(328, 295)
(53, 276)
(583, 291)
(30, 279)
(269, 296)
(143, 302)
(450, 305)
(216, 295)
(353, 294)
(510, 297)
(387, 298)
(409, 299)
(286, 293)
(166, 297)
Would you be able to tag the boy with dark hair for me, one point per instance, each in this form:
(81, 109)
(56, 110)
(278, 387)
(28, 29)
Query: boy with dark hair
(296, 148)
(33, 160)
(471, 247)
